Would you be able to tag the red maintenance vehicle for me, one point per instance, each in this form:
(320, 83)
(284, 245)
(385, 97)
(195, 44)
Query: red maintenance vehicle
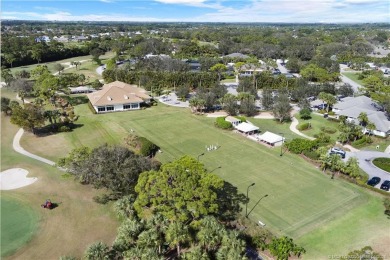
(47, 205)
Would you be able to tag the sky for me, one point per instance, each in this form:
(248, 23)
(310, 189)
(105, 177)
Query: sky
(271, 11)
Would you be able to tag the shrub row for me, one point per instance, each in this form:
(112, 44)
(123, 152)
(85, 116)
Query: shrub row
(328, 130)
(298, 145)
(222, 123)
(147, 147)
(303, 126)
(242, 118)
(362, 141)
(311, 155)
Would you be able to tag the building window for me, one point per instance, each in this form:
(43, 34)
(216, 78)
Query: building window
(101, 109)
(126, 106)
(110, 108)
(134, 105)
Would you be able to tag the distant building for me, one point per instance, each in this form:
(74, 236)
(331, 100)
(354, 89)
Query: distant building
(236, 55)
(42, 39)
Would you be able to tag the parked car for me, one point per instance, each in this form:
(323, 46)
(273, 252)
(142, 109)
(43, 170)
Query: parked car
(338, 151)
(385, 185)
(321, 106)
(374, 181)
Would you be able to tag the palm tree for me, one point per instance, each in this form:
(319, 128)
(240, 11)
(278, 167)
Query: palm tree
(232, 246)
(196, 253)
(159, 224)
(330, 101)
(370, 127)
(127, 234)
(124, 207)
(363, 118)
(210, 233)
(22, 94)
(177, 234)
(97, 251)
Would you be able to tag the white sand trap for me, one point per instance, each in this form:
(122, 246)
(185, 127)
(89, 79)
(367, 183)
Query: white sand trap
(15, 178)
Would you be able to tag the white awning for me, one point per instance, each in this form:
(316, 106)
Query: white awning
(245, 127)
(271, 138)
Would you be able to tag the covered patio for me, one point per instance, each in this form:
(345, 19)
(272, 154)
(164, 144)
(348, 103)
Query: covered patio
(247, 128)
(271, 139)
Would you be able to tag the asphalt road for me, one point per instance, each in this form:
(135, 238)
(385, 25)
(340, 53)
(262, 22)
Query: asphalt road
(345, 79)
(365, 163)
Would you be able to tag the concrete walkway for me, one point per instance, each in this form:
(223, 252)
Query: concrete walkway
(293, 128)
(19, 149)
(387, 149)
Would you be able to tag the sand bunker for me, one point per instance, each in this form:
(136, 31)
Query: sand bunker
(15, 178)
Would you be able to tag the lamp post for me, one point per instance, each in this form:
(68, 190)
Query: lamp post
(281, 147)
(266, 195)
(200, 156)
(247, 199)
(219, 167)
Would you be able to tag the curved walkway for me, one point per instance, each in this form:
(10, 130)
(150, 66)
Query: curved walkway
(19, 149)
(293, 128)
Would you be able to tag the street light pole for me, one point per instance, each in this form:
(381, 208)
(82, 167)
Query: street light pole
(247, 199)
(200, 156)
(281, 147)
(266, 195)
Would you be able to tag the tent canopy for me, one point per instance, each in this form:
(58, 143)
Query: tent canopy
(271, 138)
(245, 127)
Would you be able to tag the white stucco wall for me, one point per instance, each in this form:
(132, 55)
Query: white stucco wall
(117, 108)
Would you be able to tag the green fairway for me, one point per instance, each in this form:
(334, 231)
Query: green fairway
(76, 216)
(301, 199)
(18, 223)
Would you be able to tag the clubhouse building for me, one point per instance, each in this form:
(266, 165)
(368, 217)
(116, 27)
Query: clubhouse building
(118, 96)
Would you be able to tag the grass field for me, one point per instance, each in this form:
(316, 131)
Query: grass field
(302, 201)
(318, 121)
(18, 223)
(65, 230)
(353, 76)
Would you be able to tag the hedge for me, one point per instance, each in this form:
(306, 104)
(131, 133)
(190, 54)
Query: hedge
(242, 118)
(303, 126)
(362, 141)
(298, 145)
(328, 130)
(311, 155)
(222, 123)
(147, 147)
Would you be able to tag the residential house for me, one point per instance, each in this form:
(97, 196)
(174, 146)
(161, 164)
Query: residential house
(42, 39)
(236, 55)
(61, 39)
(118, 96)
(351, 107)
(250, 69)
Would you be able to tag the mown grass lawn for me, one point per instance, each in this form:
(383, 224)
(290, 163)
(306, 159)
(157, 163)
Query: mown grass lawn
(353, 76)
(301, 199)
(383, 163)
(317, 122)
